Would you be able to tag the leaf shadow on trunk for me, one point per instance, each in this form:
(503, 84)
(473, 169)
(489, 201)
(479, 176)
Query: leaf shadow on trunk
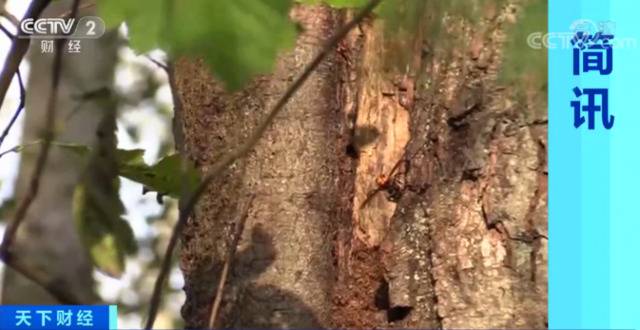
(253, 305)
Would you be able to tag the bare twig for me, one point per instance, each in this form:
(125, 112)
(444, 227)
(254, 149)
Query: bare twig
(60, 292)
(229, 158)
(6, 14)
(44, 151)
(18, 49)
(231, 251)
(8, 151)
(7, 32)
(12, 228)
(23, 94)
(159, 64)
(19, 148)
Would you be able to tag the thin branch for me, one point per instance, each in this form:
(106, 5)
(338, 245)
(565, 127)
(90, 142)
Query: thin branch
(19, 148)
(18, 49)
(7, 32)
(44, 151)
(218, 168)
(60, 292)
(159, 64)
(23, 94)
(231, 251)
(6, 252)
(9, 16)
(8, 151)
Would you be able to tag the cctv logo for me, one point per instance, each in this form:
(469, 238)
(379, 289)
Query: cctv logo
(87, 27)
(47, 26)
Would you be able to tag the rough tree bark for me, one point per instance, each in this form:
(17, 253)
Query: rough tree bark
(385, 196)
(48, 240)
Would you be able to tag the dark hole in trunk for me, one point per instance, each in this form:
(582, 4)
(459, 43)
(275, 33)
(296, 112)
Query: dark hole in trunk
(381, 301)
(398, 313)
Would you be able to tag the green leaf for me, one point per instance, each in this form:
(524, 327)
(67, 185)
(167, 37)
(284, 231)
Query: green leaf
(7, 207)
(97, 207)
(129, 157)
(105, 234)
(145, 20)
(78, 149)
(237, 39)
(164, 177)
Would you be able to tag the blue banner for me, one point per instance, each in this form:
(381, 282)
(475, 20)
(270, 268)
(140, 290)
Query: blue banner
(50, 317)
(593, 219)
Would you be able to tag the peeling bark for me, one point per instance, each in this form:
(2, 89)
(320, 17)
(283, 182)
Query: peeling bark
(471, 251)
(380, 111)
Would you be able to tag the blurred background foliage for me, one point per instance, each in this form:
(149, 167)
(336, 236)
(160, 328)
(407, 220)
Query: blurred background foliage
(145, 108)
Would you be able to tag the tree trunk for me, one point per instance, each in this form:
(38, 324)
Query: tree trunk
(48, 240)
(386, 195)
